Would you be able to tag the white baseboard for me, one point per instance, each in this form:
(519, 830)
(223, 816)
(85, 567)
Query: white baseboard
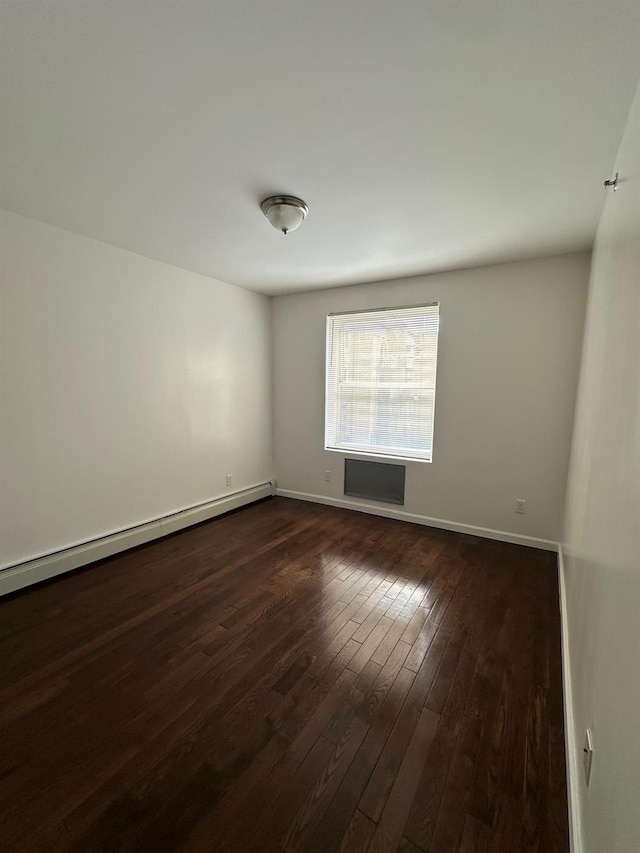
(41, 568)
(571, 742)
(441, 523)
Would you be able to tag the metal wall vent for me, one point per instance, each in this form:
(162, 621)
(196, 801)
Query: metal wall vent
(375, 481)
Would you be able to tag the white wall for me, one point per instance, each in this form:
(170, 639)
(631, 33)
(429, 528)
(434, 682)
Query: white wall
(602, 529)
(128, 389)
(510, 338)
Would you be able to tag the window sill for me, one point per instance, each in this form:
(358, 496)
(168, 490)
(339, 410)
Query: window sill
(373, 455)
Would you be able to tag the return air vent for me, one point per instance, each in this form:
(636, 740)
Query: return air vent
(376, 481)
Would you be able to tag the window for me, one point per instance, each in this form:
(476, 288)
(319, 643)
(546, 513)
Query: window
(381, 382)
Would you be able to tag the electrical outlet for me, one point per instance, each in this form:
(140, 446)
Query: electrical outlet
(587, 755)
(521, 506)
(327, 476)
(229, 479)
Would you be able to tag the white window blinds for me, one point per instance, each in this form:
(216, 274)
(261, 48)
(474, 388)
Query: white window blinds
(381, 382)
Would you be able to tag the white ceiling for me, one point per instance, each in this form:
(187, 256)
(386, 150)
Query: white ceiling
(423, 135)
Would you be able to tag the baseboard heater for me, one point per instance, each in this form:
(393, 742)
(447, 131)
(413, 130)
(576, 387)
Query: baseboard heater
(375, 481)
(19, 575)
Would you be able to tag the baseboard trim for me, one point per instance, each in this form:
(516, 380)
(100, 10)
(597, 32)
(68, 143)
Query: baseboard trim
(571, 742)
(441, 523)
(19, 575)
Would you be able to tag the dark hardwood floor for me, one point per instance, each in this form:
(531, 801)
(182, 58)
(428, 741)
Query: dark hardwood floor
(289, 677)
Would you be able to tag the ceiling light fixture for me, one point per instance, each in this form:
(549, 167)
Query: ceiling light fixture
(285, 212)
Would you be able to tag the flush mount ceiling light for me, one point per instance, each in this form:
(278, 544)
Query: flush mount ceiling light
(285, 212)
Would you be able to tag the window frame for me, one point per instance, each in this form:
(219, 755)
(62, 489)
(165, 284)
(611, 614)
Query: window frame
(332, 386)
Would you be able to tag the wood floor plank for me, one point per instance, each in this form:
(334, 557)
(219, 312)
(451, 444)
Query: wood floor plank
(388, 765)
(485, 786)
(389, 832)
(358, 836)
(407, 847)
(331, 703)
(555, 829)
(380, 716)
(536, 768)
(451, 814)
(440, 774)
(369, 646)
(475, 836)
(312, 810)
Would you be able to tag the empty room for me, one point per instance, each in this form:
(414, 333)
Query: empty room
(320, 426)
